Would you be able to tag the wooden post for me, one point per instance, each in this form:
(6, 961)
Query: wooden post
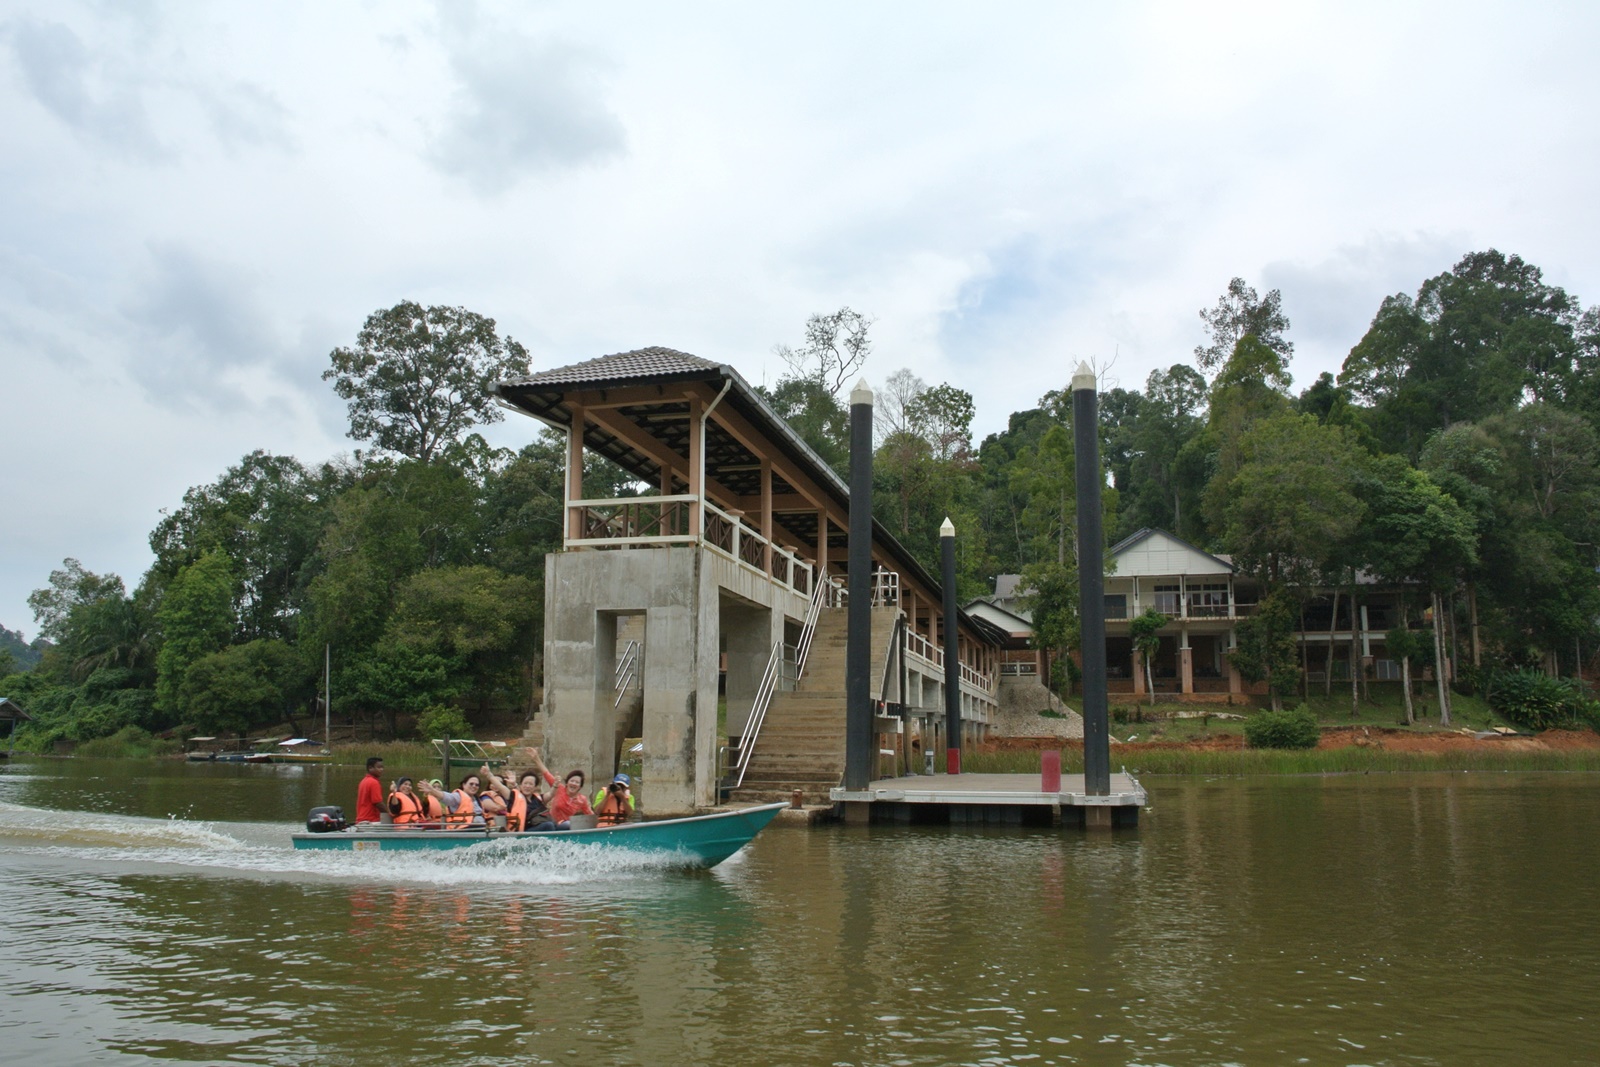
(574, 519)
(697, 468)
(766, 515)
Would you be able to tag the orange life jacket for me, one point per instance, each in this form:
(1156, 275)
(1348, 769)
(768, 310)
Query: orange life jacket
(613, 811)
(516, 812)
(464, 814)
(432, 810)
(410, 808)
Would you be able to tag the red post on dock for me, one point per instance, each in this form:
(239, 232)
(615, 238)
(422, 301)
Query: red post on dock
(1050, 771)
(952, 761)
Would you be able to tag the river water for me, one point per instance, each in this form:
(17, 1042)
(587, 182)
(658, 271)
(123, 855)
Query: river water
(155, 912)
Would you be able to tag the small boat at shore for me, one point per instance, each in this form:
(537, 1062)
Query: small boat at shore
(697, 840)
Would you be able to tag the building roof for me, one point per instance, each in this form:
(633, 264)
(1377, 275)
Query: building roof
(1147, 532)
(655, 363)
(11, 711)
(1023, 623)
(728, 462)
(1007, 586)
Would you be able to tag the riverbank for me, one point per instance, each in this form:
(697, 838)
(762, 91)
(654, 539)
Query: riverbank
(1341, 749)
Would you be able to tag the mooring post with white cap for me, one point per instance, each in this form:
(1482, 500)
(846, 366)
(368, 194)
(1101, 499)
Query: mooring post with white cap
(858, 746)
(952, 649)
(1091, 582)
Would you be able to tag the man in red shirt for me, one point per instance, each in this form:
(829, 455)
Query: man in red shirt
(369, 795)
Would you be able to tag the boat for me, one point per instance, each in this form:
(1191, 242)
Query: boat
(298, 750)
(698, 840)
(230, 757)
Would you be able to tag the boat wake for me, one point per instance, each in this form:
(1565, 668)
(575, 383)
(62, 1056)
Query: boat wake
(263, 850)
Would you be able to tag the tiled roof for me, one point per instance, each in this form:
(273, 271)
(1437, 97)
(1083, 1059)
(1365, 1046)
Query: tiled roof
(651, 362)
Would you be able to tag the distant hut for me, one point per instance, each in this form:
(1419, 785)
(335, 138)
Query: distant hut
(11, 711)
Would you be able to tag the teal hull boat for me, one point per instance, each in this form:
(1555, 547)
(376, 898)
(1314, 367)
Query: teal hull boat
(698, 841)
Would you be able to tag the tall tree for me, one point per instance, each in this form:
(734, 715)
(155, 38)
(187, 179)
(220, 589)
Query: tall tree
(419, 378)
(1476, 341)
(835, 349)
(1241, 312)
(196, 618)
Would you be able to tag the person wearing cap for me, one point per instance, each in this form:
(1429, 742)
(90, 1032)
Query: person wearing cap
(617, 806)
(602, 793)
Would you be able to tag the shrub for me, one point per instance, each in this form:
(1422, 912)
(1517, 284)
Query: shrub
(1536, 701)
(440, 721)
(1282, 729)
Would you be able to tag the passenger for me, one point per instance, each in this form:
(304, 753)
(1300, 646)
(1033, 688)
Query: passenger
(570, 801)
(491, 803)
(432, 810)
(461, 808)
(600, 795)
(617, 806)
(404, 804)
(567, 801)
(369, 794)
(526, 810)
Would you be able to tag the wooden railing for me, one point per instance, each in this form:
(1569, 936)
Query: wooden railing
(642, 520)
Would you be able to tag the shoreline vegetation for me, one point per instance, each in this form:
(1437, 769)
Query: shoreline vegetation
(1343, 750)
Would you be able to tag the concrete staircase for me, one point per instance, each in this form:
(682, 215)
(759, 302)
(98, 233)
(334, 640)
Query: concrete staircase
(801, 745)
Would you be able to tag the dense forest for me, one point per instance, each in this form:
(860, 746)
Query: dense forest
(1455, 455)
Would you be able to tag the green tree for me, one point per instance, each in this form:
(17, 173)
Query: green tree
(1291, 501)
(1416, 536)
(1240, 313)
(419, 378)
(479, 617)
(393, 679)
(1052, 601)
(242, 686)
(1145, 633)
(196, 619)
(267, 514)
(1476, 341)
(70, 588)
(1265, 651)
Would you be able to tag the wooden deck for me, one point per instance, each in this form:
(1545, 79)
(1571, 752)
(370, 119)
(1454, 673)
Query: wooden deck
(992, 798)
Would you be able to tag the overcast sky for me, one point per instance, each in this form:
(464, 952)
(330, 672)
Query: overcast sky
(200, 201)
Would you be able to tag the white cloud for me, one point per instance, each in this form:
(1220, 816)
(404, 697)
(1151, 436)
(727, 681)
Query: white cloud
(202, 208)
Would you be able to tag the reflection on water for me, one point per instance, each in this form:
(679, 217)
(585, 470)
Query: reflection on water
(1362, 919)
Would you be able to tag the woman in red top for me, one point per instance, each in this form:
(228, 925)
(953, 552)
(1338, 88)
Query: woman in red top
(567, 801)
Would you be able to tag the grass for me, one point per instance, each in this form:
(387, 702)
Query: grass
(408, 754)
(1304, 761)
(130, 742)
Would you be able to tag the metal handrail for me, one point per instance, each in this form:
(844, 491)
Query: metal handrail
(758, 710)
(627, 670)
(769, 675)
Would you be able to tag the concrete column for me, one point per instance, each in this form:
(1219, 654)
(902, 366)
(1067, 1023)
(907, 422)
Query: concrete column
(1138, 673)
(1235, 683)
(1186, 667)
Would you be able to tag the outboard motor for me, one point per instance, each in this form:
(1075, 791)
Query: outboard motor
(325, 820)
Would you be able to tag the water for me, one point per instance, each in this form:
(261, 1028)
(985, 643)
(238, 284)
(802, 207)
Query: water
(1393, 919)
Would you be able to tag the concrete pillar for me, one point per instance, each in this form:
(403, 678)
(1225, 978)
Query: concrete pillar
(1186, 663)
(1138, 673)
(746, 638)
